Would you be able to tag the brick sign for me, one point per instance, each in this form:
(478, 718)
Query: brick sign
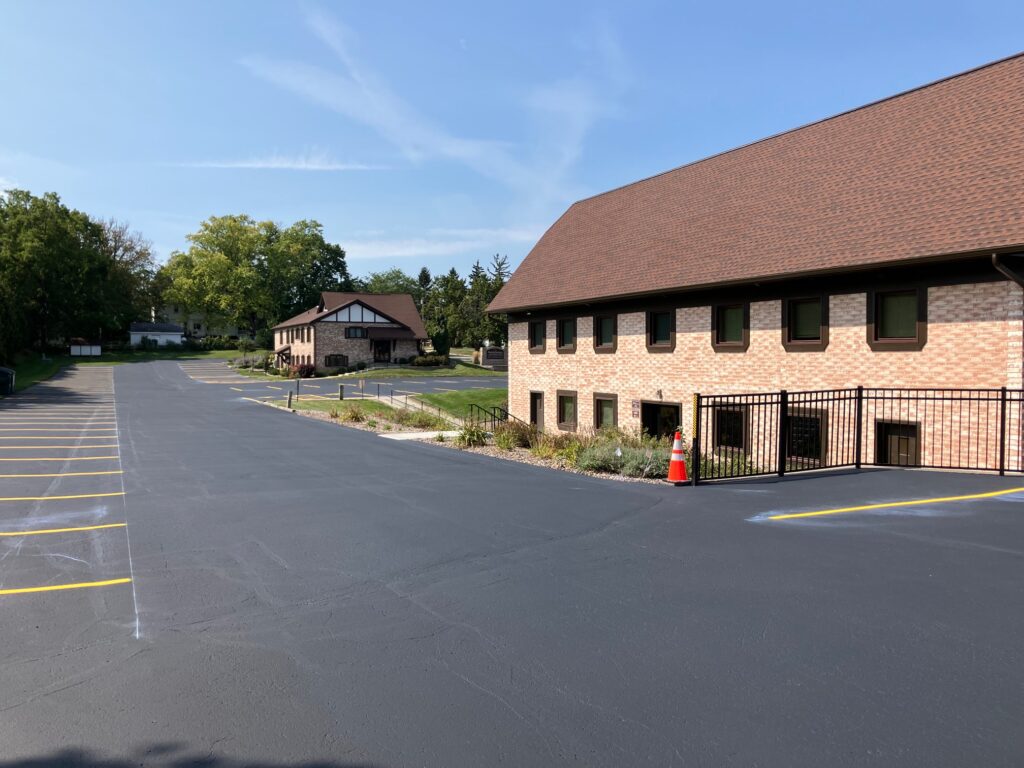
(636, 409)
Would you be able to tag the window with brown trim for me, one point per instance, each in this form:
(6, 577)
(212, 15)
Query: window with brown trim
(807, 438)
(805, 324)
(729, 427)
(606, 333)
(566, 334)
(606, 410)
(897, 320)
(355, 333)
(537, 331)
(661, 330)
(730, 327)
(566, 401)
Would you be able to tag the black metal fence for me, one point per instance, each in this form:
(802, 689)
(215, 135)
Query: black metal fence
(774, 433)
(489, 417)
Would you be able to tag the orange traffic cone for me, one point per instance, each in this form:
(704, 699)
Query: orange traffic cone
(677, 464)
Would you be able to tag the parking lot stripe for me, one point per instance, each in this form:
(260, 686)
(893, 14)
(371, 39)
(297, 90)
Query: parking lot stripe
(48, 447)
(63, 530)
(272, 387)
(54, 437)
(58, 587)
(56, 429)
(59, 458)
(893, 504)
(67, 474)
(58, 498)
(237, 389)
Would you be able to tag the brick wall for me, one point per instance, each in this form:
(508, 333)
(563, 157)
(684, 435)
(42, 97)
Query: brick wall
(330, 340)
(974, 340)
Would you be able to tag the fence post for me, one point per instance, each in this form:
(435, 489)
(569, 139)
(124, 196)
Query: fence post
(1002, 431)
(783, 429)
(858, 428)
(695, 453)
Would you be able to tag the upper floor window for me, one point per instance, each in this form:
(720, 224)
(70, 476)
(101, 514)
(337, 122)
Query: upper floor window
(605, 333)
(805, 324)
(355, 333)
(567, 334)
(898, 320)
(730, 327)
(538, 335)
(661, 330)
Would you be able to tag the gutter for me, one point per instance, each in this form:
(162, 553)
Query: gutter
(1004, 269)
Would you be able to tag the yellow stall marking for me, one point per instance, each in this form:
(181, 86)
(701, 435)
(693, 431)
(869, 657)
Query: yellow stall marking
(48, 447)
(892, 504)
(57, 587)
(64, 530)
(60, 458)
(67, 474)
(56, 498)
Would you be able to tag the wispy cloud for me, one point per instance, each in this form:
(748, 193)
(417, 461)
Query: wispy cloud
(6, 183)
(440, 242)
(564, 112)
(311, 161)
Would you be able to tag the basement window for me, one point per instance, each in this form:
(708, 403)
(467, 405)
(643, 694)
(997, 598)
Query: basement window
(567, 410)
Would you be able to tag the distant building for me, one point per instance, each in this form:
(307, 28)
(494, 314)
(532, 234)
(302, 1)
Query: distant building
(196, 325)
(349, 328)
(161, 333)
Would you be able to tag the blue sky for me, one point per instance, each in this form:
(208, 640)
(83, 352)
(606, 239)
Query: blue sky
(432, 133)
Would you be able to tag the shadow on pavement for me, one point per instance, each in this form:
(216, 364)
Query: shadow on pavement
(169, 755)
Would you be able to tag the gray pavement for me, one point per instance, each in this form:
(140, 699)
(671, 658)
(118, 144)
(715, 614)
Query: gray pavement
(308, 593)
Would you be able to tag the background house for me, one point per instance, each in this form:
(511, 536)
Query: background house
(162, 333)
(345, 329)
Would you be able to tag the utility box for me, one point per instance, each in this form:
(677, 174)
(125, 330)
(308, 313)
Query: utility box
(6, 381)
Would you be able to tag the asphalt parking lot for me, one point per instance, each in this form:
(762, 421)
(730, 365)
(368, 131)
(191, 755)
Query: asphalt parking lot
(307, 593)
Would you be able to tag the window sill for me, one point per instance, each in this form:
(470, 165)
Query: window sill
(819, 345)
(566, 350)
(662, 348)
(736, 346)
(897, 345)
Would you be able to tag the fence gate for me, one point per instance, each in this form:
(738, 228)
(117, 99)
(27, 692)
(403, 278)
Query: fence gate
(773, 433)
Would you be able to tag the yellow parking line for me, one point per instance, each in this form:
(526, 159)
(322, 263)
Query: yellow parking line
(64, 530)
(60, 458)
(270, 386)
(58, 498)
(56, 587)
(56, 429)
(891, 504)
(67, 474)
(56, 437)
(47, 447)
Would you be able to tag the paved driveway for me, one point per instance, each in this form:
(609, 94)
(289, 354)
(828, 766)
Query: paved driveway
(307, 592)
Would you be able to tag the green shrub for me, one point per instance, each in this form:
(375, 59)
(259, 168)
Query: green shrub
(439, 438)
(471, 435)
(372, 423)
(418, 419)
(601, 457)
(333, 413)
(352, 413)
(429, 360)
(515, 434)
(644, 462)
(360, 366)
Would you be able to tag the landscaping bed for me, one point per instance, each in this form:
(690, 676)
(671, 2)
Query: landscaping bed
(609, 453)
(367, 415)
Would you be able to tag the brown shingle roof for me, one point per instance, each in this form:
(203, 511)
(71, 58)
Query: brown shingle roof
(931, 172)
(398, 306)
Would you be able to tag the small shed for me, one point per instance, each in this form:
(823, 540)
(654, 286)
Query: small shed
(162, 333)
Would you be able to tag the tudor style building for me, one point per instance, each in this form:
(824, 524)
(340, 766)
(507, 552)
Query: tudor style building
(875, 248)
(345, 329)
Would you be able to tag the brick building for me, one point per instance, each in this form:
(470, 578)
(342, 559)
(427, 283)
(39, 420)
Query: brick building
(879, 247)
(345, 329)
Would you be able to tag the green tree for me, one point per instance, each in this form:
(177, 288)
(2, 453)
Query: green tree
(441, 311)
(390, 281)
(423, 282)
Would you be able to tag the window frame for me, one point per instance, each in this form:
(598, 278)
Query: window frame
(807, 462)
(897, 345)
(805, 345)
(365, 332)
(539, 349)
(730, 346)
(567, 426)
(605, 349)
(598, 396)
(744, 412)
(566, 349)
(660, 347)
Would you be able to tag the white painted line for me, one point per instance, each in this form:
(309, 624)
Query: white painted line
(418, 435)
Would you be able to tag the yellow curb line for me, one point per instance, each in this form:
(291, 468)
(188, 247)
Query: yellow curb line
(64, 530)
(56, 587)
(68, 474)
(60, 458)
(891, 504)
(57, 498)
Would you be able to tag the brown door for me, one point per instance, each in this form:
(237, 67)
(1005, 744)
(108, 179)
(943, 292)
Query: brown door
(537, 409)
(381, 351)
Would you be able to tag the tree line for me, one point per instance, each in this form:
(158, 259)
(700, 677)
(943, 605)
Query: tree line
(64, 275)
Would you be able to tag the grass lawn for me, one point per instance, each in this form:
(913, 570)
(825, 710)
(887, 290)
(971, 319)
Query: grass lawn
(457, 403)
(365, 410)
(459, 369)
(368, 408)
(31, 369)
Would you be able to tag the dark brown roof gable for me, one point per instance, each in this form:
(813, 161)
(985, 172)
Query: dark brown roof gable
(399, 307)
(932, 172)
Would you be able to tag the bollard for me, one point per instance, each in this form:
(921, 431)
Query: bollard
(297, 382)
(341, 391)
(289, 399)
